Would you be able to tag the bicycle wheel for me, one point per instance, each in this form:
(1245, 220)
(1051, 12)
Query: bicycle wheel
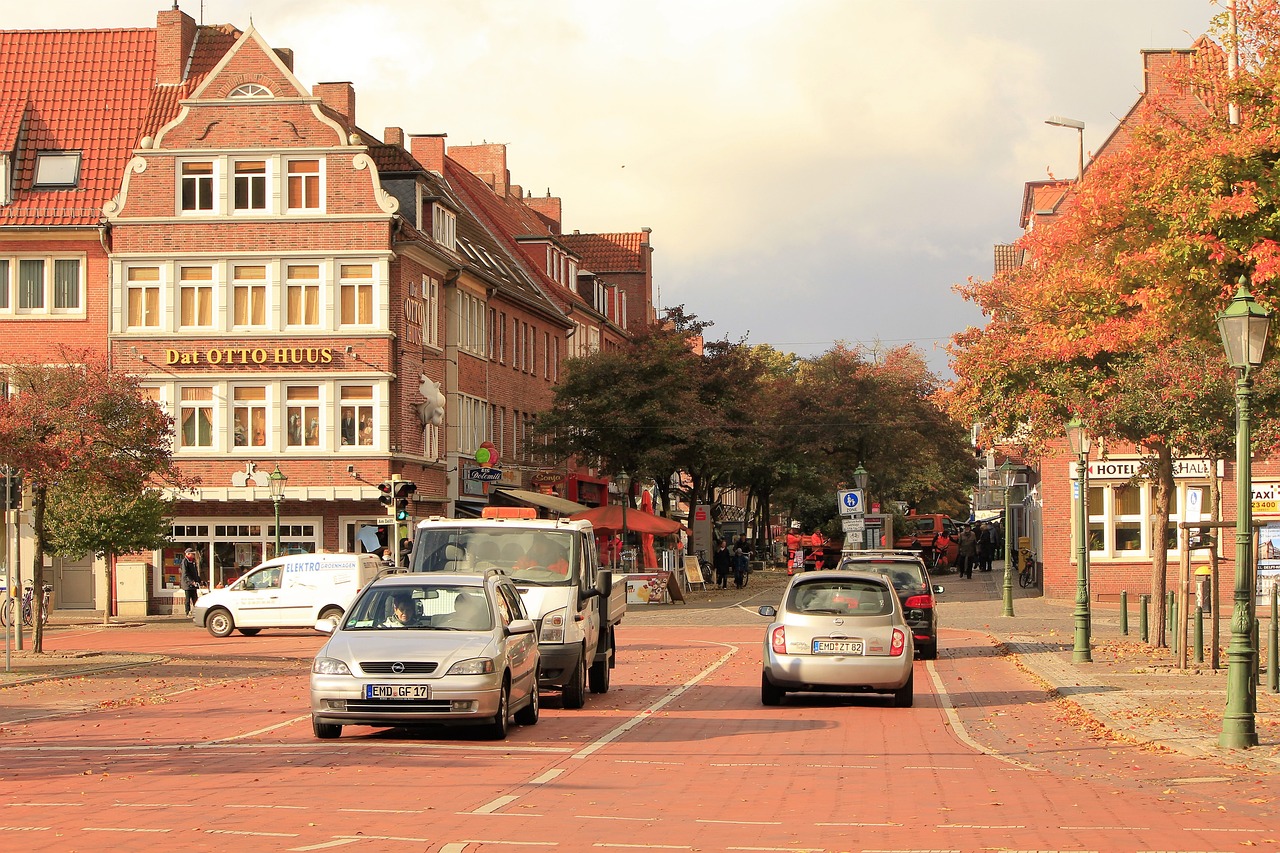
(1025, 579)
(5, 607)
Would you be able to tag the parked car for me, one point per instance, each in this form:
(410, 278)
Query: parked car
(838, 632)
(421, 649)
(916, 590)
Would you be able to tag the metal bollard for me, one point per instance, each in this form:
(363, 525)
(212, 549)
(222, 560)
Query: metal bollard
(1169, 604)
(1199, 634)
(1257, 657)
(1124, 612)
(1144, 603)
(1273, 642)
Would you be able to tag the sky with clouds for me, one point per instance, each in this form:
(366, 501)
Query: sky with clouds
(813, 170)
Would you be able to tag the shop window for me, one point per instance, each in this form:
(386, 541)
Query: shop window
(249, 416)
(302, 415)
(196, 414)
(302, 286)
(357, 415)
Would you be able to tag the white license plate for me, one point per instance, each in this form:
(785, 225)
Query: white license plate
(837, 647)
(397, 691)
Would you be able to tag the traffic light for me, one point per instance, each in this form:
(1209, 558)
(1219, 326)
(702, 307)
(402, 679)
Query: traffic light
(13, 500)
(384, 496)
(403, 488)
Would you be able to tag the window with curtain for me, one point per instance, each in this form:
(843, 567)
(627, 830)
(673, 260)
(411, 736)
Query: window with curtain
(195, 296)
(249, 185)
(66, 284)
(356, 294)
(304, 184)
(302, 416)
(30, 283)
(196, 417)
(302, 287)
(356, 413)
(142, 286)
(249, 296)
(249, 416)
(4, 284)
(197, 186)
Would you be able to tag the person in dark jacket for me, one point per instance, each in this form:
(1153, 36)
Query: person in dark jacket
(741, 561)
(722, 560)
(191, 576)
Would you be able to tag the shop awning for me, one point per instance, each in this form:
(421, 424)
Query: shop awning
(551, 503)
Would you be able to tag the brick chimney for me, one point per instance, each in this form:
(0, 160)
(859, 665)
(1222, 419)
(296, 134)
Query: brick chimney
(428, 149)
(393, 136)
(1164, 72)
(286, 56)
(175, 34)
(339, 97)
(487, 162)
(548, 210)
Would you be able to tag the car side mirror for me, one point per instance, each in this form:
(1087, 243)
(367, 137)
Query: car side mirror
(327, 625)
(938, 589)
(768, 610)
(520, 626)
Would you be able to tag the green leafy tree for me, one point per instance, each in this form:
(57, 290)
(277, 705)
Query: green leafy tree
(84, 517)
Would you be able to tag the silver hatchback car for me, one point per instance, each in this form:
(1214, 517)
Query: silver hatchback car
(418, 649)
(838, 632)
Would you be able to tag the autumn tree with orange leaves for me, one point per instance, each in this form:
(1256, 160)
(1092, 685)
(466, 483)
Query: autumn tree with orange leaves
(1111, 316)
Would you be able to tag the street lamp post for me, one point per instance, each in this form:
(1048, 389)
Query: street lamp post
(1078, 126)
(1243, 327)
(275, 483)
(1078, 437)
(860, 478)
(624, 485)
(1006, 479)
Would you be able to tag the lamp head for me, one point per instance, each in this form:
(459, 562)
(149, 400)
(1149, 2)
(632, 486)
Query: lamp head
(1059, 121)
(275, 483)
(623, 479)
(1078, 437)
(860, 477)
(1243, 327)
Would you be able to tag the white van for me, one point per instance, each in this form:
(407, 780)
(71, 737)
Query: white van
(294, 591)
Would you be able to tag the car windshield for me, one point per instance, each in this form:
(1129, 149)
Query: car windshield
(426, 606)
(904, 574)
(532, 557)
(850, 597)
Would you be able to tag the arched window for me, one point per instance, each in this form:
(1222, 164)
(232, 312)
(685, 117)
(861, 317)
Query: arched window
(250, 90)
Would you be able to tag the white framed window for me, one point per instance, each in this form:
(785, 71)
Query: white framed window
(195, 417)
(195, 296)
(473, 423)
(302, 416)
(444, 226)
(249, 416)
(502, 337)
(250, 90)
(1118, 513)
(431, 314)
(305, 186)
(142, 297)
(471, 323)
(249, 296)
(355, 294)
(593, 340)
(6, 285)
(57, 170)
(622, 308)
(302, 295)
(355, 415)
(546, 355)
(42, 285)
(249, 186)
(526, 342)
(196, 186)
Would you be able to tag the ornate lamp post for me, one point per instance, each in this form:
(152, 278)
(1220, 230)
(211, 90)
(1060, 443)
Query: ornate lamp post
(275, 483)
(860, 478)
(1078, 438)
(1006, 480)
(624, 485)
(1243, 326)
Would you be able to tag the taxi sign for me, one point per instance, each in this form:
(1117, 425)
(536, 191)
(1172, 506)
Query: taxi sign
(850, 502)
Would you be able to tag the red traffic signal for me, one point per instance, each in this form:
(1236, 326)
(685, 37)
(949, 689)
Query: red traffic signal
(404, 488)
(385, 497)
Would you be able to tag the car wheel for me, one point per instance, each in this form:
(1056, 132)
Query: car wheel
(250, 632)
(220, 623)
(497, 729)
(335, 612)
(326, 731)
(770, 694)
(574, 694)
(929, 651)
(599, 675)
(905, 696)
(528, 715)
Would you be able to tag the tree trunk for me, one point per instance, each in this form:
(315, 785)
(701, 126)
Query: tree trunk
(1160, 536)
(38, 498)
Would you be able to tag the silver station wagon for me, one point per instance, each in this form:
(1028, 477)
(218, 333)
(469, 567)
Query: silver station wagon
(838, 632)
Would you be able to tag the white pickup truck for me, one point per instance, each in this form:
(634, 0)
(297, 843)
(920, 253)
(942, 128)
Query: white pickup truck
(572, 600)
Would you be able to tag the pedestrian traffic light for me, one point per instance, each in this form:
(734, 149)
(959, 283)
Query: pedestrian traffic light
(403, 489)
(385, 497)
(13, 499)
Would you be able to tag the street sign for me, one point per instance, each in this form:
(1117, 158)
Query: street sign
(486, 475)
(850, 502)
(853, 525)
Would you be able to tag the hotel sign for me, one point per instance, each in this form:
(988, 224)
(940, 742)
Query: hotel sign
(233, 356)
(1127, 469)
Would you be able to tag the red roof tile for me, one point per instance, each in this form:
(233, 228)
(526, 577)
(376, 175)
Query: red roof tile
(11, 111)
(606, 253)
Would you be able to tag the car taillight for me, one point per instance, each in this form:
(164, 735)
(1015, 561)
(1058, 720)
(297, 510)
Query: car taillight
(898, 643)
(778, 640)
(919, 602)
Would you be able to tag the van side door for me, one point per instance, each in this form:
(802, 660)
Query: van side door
(592, 608)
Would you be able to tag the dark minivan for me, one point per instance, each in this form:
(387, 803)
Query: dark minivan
(915, 590)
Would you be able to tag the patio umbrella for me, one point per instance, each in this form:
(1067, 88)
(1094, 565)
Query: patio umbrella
(647, 553)
(610, 518)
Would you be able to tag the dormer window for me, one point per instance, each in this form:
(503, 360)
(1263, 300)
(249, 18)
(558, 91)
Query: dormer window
(250, 90)
(57, 169)
(444, 226)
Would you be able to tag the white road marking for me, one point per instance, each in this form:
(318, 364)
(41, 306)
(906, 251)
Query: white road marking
(1191, 780)
(256, 806)
(610, 817)
(493, 805)
(633, 761)
(1102, 828)
(747, 764)
(383, 838)
(981, 826)
(383, 811)
(247, 832)
(155, 805)
(934, 767)
(260, 731)
(46, 804)
(644, 846)
(338, 842)
(24, 828)
(545, 777)
(742, 822)
(118, 829)
(944, 698)
(1221, 829)
(513, 843)
(610, 736)
(859, 824)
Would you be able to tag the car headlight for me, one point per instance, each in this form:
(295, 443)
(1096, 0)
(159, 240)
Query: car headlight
(329, 666)
(475, 666)
(553, 627)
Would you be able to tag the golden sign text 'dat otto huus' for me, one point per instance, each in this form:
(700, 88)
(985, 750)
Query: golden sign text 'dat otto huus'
(248, 355)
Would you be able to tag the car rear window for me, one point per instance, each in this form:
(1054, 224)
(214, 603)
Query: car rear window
(843, 597)
(904, 574)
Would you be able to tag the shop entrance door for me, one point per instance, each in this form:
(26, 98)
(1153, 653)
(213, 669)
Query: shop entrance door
(73, 584)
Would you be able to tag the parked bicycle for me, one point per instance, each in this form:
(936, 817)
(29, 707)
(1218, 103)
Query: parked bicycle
(28, 605)
(1027, 568)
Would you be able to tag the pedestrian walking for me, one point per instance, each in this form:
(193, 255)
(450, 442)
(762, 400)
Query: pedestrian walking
(190, 571)
(741, 557)
(986, 547)
(818, 542)
(722, 560)
(795, 551)
(968, 555)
